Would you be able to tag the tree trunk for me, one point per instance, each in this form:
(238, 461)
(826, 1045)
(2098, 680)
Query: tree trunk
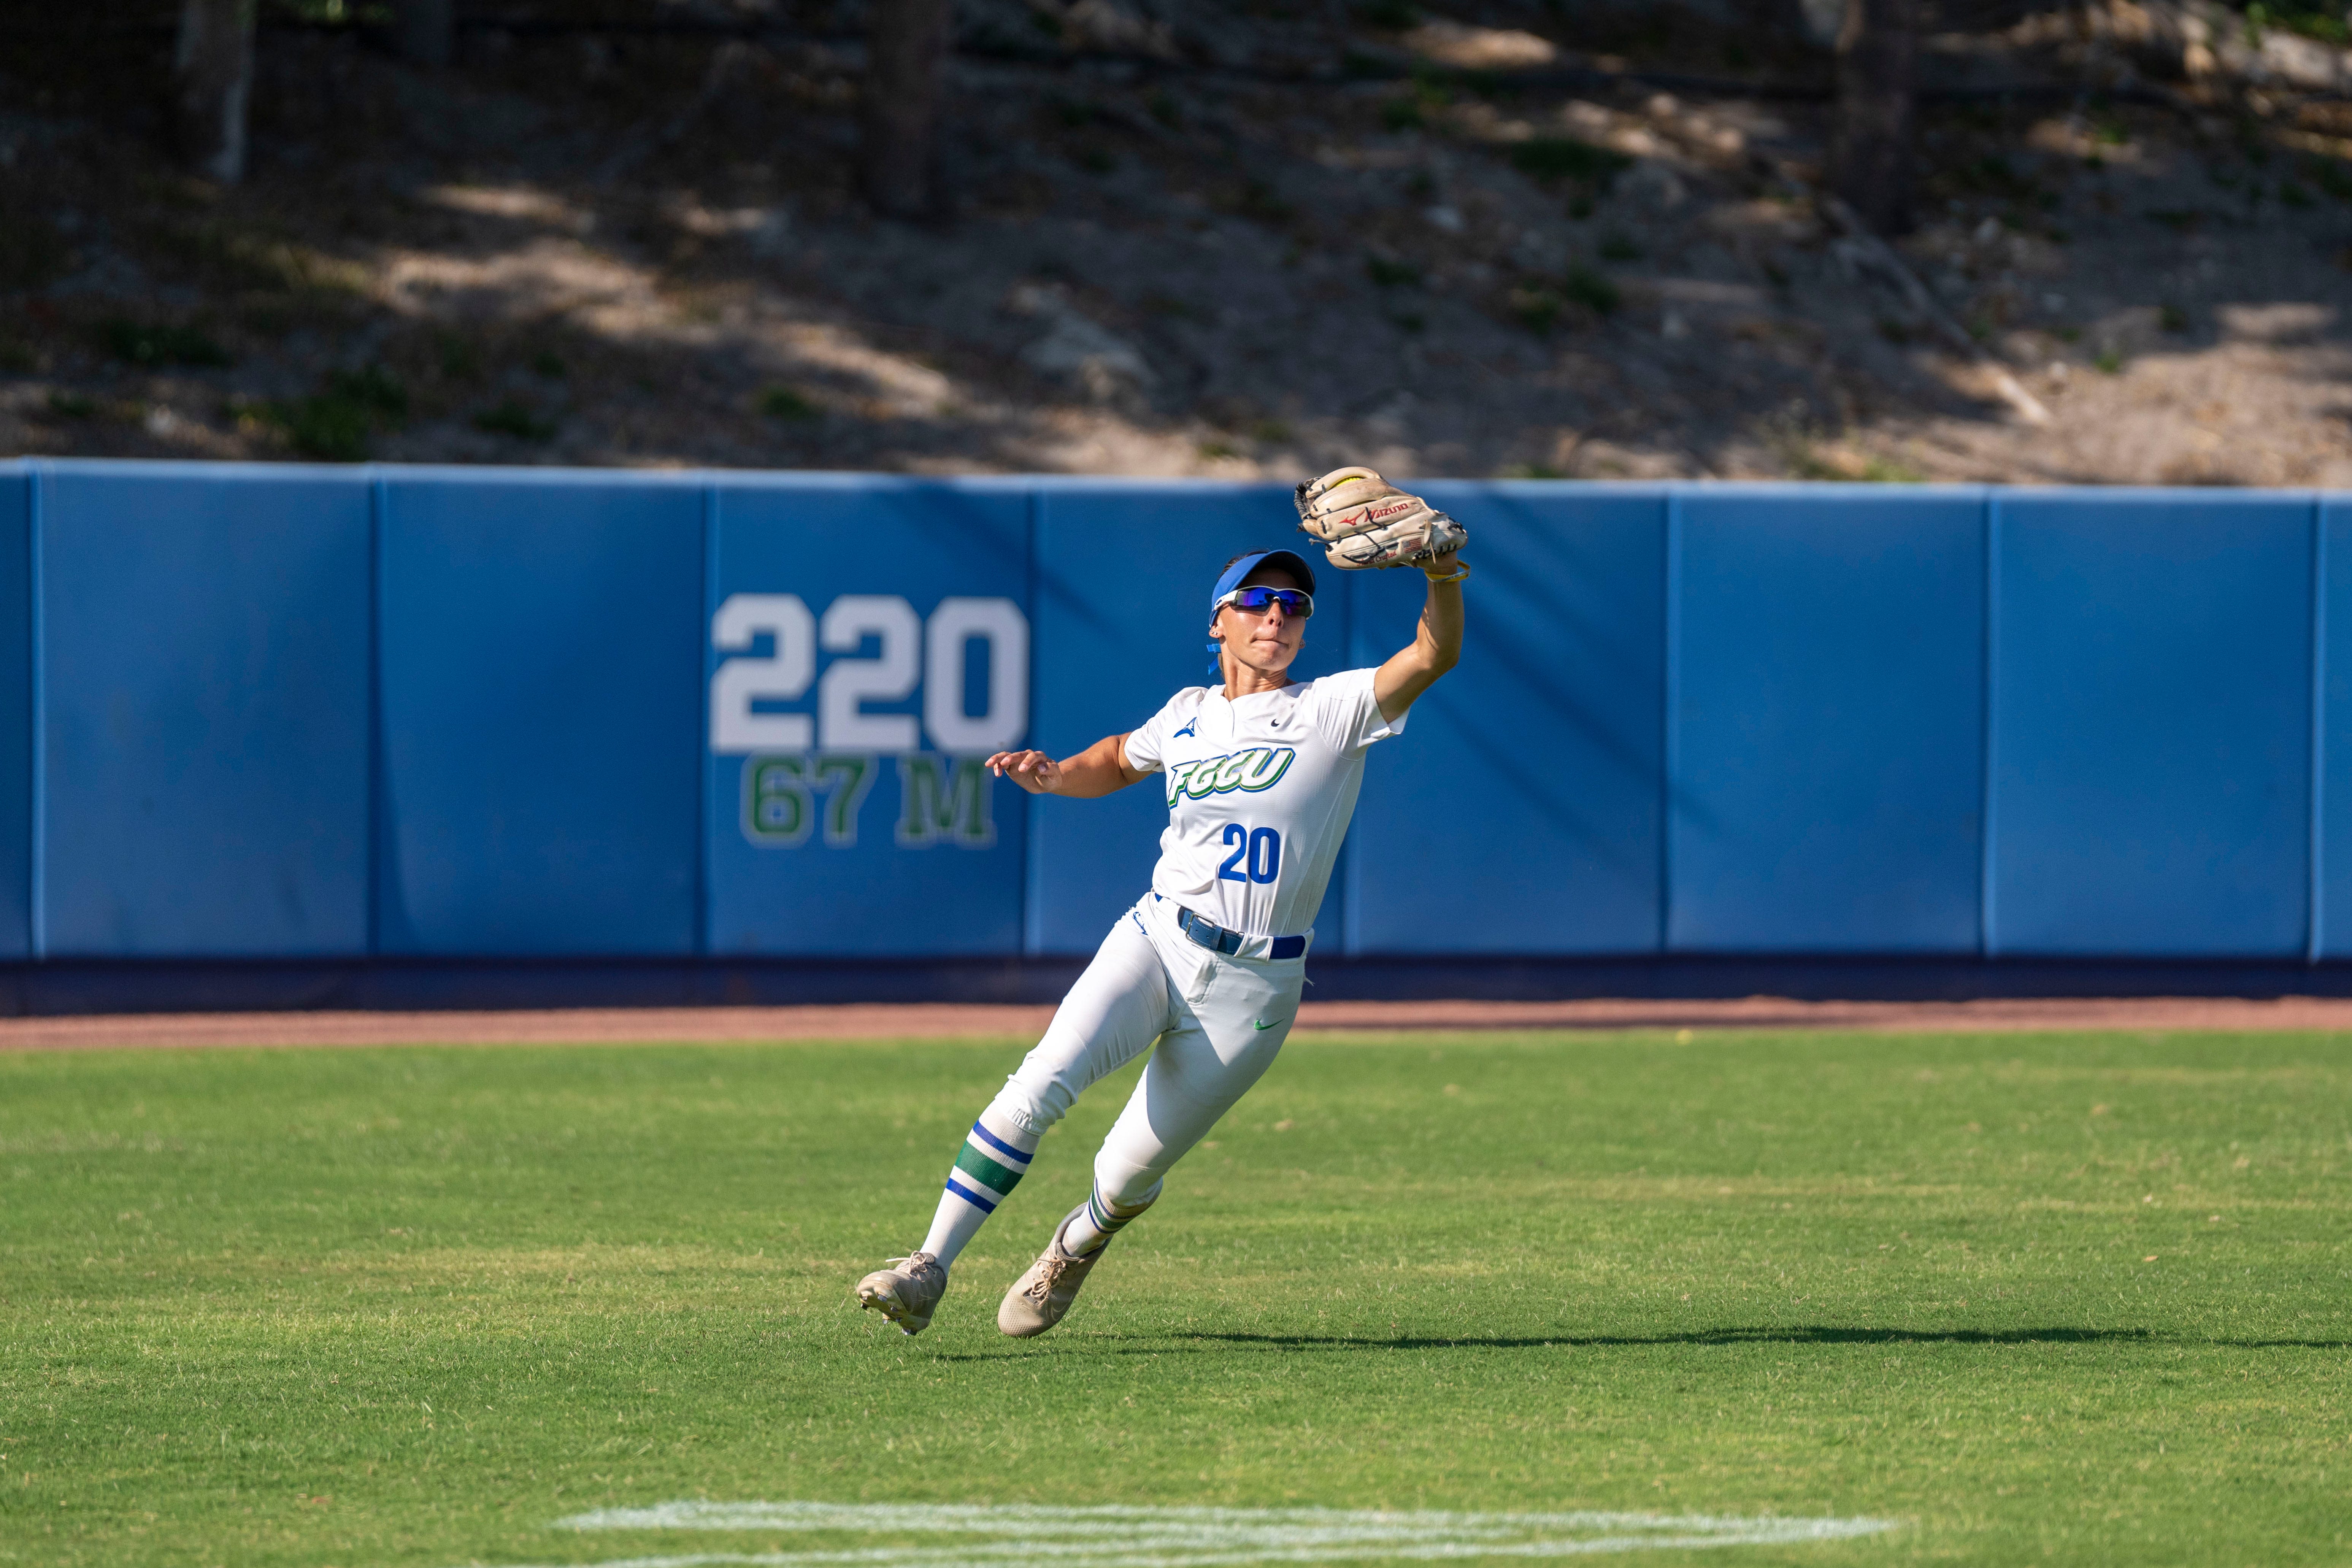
(212, 77)
(425, 29)
(905, 87)
(1870, 150)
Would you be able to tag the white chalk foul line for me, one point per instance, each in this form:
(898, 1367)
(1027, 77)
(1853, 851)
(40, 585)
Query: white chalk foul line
(1119, 1536)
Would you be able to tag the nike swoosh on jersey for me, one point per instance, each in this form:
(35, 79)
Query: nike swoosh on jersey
(1268, 1024)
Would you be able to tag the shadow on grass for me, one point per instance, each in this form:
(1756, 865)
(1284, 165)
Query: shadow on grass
(1793, 1335)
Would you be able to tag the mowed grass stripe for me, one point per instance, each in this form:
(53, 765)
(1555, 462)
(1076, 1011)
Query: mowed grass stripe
(2067, 1297)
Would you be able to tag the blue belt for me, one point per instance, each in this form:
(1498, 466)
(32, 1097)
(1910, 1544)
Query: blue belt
(1205, 932)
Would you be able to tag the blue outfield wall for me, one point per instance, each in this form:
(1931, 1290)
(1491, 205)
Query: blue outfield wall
(200, 733)
(1827, 722)
(2150, 740)
(1524, 803)
(15, 714)
(2331, 774)
(538, 673)
(853, 817)
(266, 712)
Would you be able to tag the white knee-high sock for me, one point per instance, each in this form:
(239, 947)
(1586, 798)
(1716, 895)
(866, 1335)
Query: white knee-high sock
(993, 1159)
(1101, 1219)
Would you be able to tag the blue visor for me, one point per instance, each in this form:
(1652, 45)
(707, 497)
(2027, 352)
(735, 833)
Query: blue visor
(1289, 561)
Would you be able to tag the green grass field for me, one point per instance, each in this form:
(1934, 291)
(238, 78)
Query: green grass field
(2048, 1298)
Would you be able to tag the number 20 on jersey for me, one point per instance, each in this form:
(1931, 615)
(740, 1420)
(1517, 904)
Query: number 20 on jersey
(1257, 857)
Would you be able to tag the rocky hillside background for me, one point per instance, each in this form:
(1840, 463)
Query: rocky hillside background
(1209, 238)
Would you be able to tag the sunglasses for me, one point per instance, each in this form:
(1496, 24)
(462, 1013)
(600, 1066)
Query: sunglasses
(1295, 602)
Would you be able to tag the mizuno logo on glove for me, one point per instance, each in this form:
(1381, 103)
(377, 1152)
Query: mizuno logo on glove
(1364, 521)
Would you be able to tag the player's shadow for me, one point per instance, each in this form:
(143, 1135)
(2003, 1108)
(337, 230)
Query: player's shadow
(1792, 1334)
(1083, 1343)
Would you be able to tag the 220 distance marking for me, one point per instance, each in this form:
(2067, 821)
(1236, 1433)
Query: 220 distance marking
(909, 650)
(803, 773)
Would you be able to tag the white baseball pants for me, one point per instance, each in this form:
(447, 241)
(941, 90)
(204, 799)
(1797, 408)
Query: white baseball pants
(1219, 1023)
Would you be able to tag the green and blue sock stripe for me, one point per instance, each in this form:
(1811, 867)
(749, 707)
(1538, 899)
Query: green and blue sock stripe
(984, 1204)
(988, 1142)
(1107, 1218)
(987, 1169)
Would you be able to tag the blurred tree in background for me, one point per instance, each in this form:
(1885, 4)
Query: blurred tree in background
(211, 80)
(1871, 160)
(899, 163)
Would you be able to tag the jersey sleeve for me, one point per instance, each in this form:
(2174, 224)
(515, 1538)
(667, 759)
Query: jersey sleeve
(1348, 713)
(1146, 743)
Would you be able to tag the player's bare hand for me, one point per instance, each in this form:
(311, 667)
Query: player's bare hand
(1033, 771)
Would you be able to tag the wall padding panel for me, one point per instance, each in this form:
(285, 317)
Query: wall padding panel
(877, 834)
(1519, 813)
(2332, 884)
(205, 665)
(2150, 778)
(1828, 716)
(1124, 572)
(15, 712)
(542, 701)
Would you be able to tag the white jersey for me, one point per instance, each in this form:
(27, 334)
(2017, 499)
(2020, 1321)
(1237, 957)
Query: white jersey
(1260, 789)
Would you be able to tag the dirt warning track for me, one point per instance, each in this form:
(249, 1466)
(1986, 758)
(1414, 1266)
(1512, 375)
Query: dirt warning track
(942, 1020)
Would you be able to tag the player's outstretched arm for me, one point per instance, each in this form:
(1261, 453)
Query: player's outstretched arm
(1097, 770)
(1436, 644)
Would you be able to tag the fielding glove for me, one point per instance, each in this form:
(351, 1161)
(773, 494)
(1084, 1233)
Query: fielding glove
(1363, 520)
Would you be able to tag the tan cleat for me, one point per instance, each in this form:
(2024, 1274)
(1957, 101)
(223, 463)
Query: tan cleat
(1040, 1298)
(907, 1295)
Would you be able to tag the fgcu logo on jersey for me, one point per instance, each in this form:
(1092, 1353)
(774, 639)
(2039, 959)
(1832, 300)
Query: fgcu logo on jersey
(1249, 770)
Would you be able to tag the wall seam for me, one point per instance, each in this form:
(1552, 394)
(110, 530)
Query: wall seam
(1032, 867)
(376, 815)
(1670, 695)
(2315, 908)
(36, 879)
(706, 761)
(1350, 900)
(1987, 718)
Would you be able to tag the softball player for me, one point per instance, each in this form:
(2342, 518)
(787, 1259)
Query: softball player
(1261, 778)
